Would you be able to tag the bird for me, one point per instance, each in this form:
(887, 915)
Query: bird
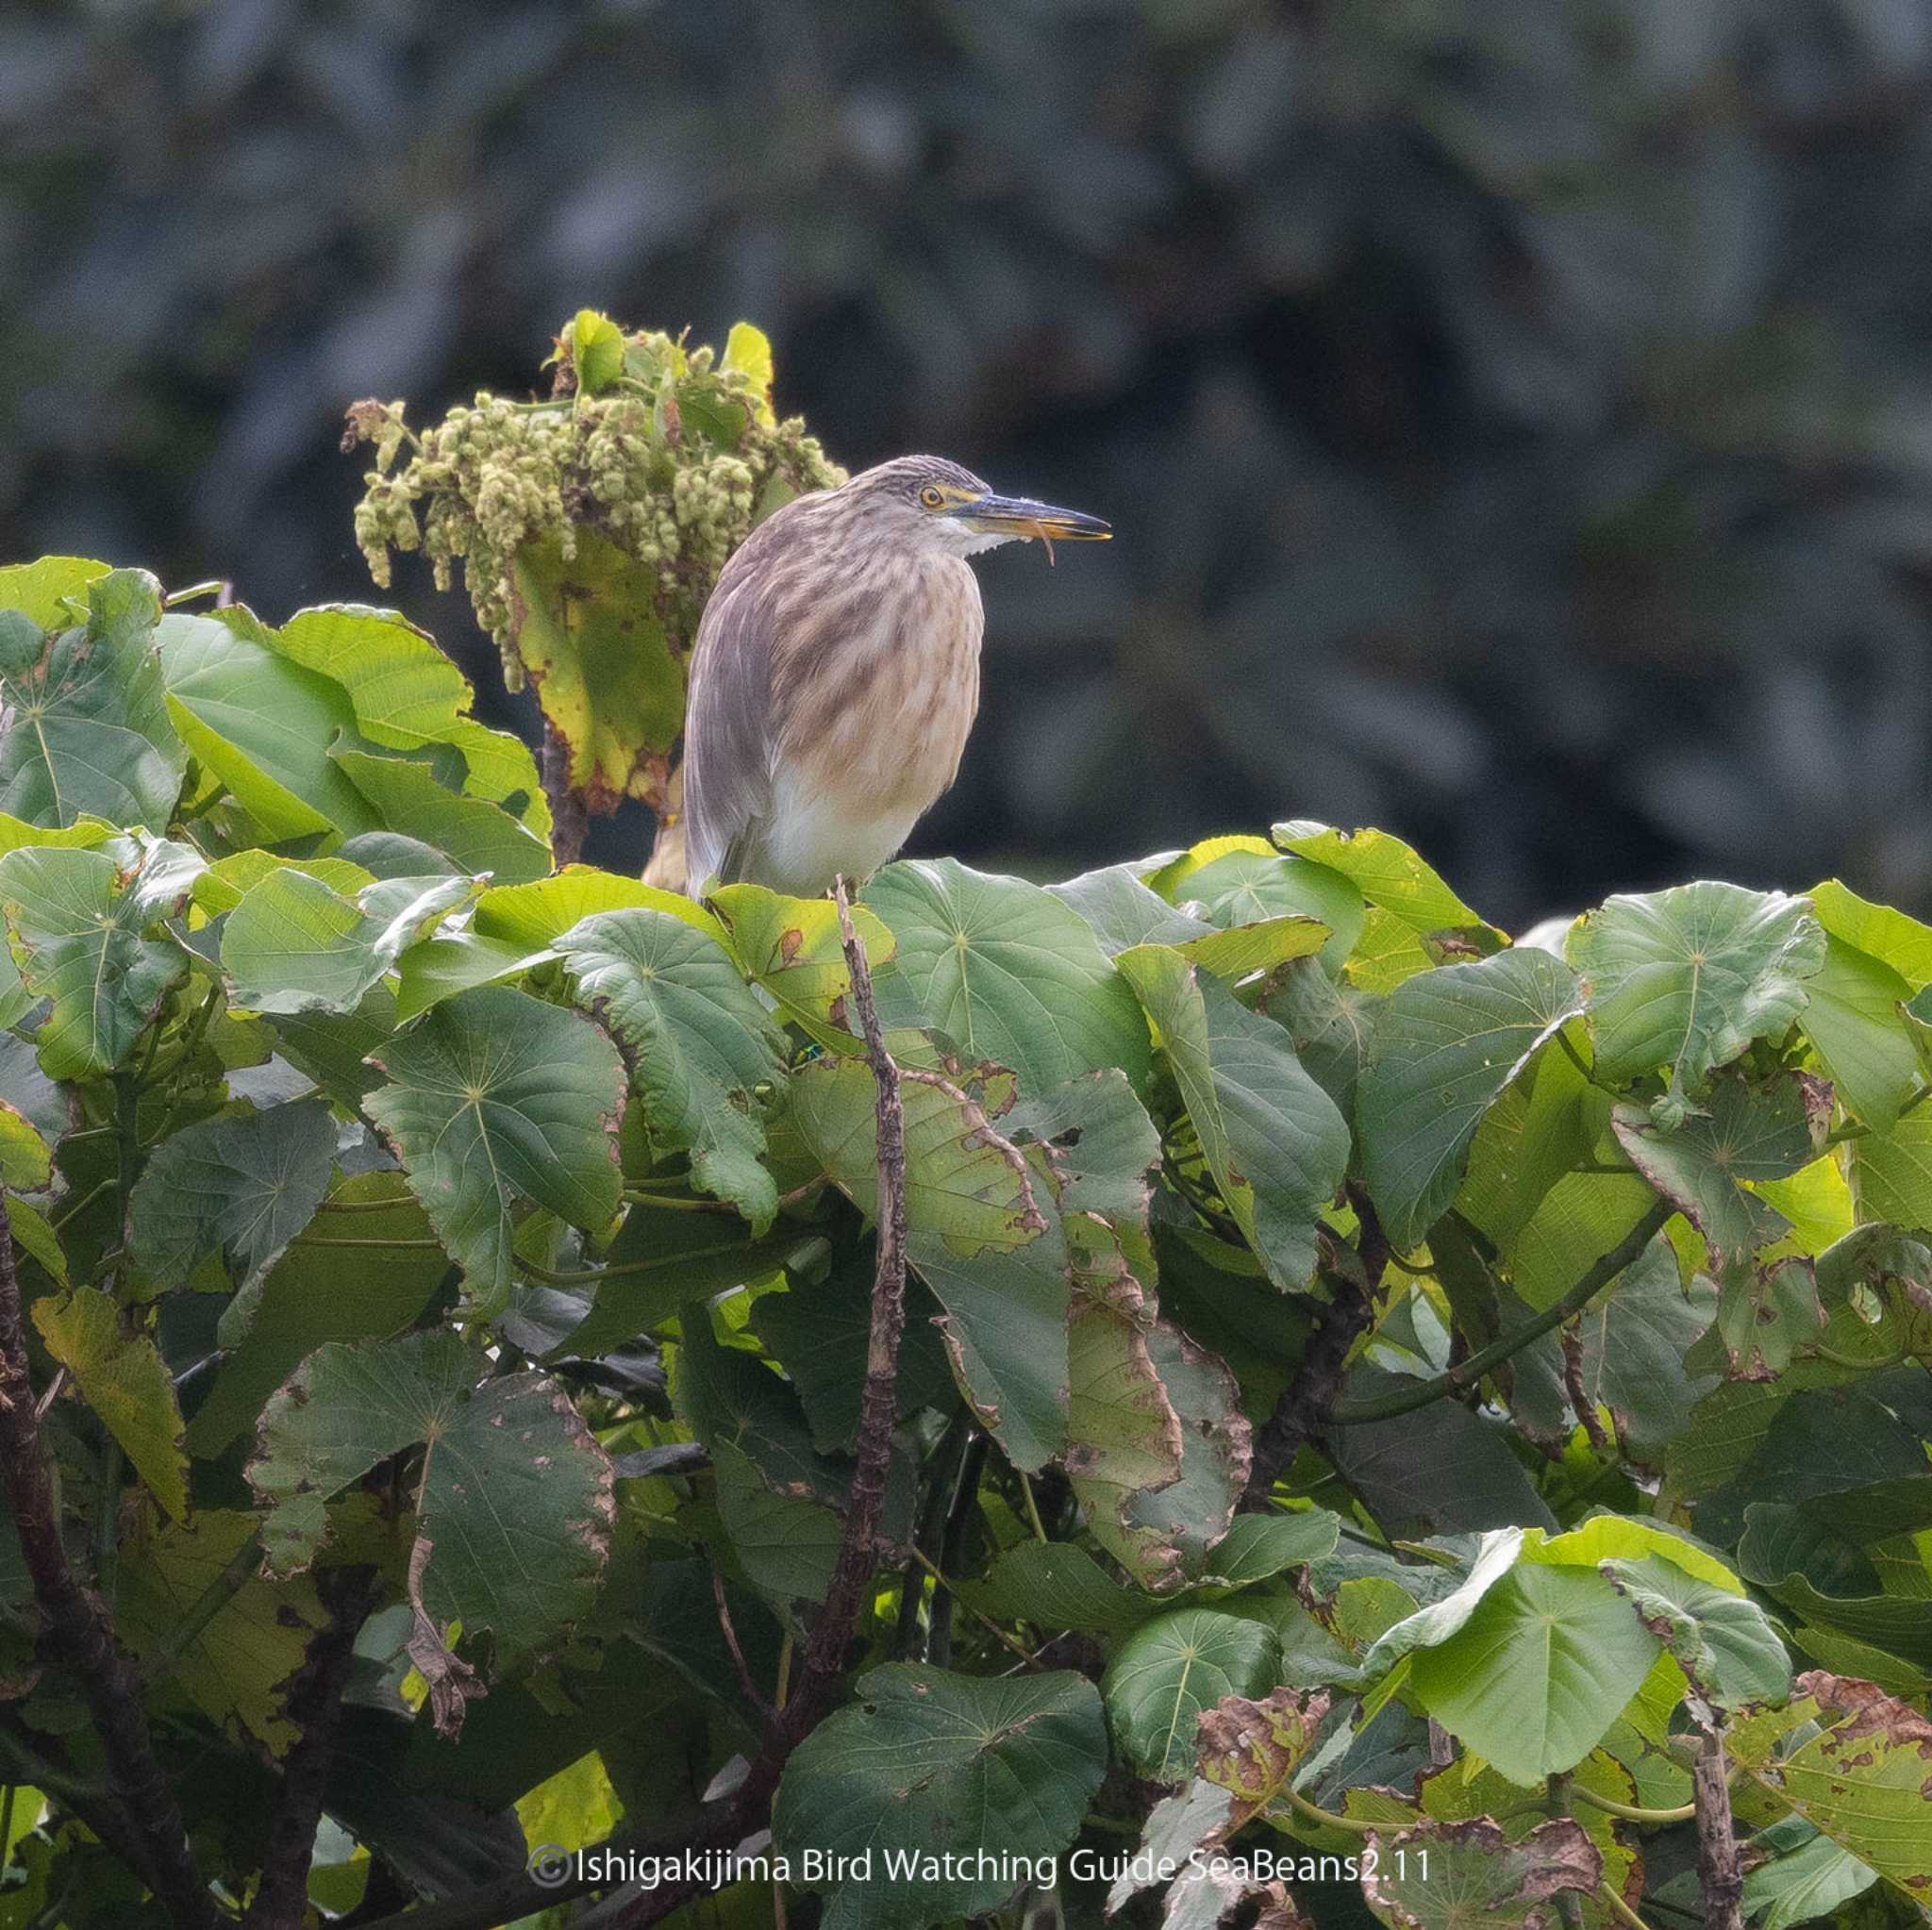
(836, 674)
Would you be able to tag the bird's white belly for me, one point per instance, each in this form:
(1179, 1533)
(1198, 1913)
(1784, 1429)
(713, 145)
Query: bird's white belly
(813, 835)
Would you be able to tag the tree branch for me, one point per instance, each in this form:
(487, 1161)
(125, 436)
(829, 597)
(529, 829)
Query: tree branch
(80, 1636)
(1461, 1378)
(315, 1706)
(570, 820)
(1720, 1871)
(1301, 1411)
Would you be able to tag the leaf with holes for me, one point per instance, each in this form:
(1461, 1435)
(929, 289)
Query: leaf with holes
(514, 1497)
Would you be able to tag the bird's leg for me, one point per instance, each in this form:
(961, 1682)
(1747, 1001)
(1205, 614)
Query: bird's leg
(879, 1404)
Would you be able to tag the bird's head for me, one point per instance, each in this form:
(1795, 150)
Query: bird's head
(931, 504)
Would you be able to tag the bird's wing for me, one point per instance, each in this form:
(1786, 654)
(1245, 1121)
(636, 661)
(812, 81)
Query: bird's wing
(727, 782)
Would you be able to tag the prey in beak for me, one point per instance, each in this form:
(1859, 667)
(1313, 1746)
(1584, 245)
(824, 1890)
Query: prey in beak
(1022, 517)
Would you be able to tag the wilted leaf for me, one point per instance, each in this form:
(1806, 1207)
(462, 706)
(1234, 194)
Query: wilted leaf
(1169, 1670)
(1721, 1638)
(1468, 1877)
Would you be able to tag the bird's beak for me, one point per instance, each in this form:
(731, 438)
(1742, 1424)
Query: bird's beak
(1023, 517)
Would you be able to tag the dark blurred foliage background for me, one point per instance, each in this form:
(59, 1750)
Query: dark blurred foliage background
(1516, 414)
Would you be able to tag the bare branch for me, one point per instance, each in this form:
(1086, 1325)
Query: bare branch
(79, 1634)
(1720, 1871)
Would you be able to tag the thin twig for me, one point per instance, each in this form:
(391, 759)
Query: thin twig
(1461, 1378)
(753, 1694)
(79, 1634)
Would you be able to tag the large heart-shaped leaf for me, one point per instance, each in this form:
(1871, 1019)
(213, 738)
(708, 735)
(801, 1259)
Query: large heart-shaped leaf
(1446, 1046)
(699, 1042)
(515, 1495)
(245, 1184)
(1172, 1669)
(87, 727)
(1535, 1678)
(1272, 1139)
(1684, 980)
(1463, 1876)
(79, 919)
(923, 1766)
(1007, 973)
(495, 1097)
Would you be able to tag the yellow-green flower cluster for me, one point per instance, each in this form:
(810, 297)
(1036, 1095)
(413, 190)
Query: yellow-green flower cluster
(673, 464)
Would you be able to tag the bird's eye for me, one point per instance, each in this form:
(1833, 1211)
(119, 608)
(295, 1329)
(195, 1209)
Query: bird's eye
(932, 496)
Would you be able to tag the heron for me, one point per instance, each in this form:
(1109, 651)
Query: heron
(836, 674)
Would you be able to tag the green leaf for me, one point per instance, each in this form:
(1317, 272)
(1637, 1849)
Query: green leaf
(1860, 1777)
(1746, 1133)
(475, 836)
(697, 1039)
(793, 948)
(1535, 1678)
(1331, 1023)
(293, 944)
(609, 682)
(1389, 875)
(1007, 973)
(1495, 1555)
(238, 1667)
(1892, 1171)
(1245, 888)
(1170, 1669)
(1721, 1638)
(1878, 930)
(1446, 1045)
(406, 694)
(1470, 1876)
(88, 730)
(79, 921)
(1260, 1546)
(1582, 1217)
(1803, 1884)
(979, 1233)
(495, 1097)
(539, 913)
(243, 1185)
(1056, 1585)
(1271, 1137)
(310, 1298)
(515, 1495)
(1854, 1025)
(228, 880)
(596, 351)
(1121, 912)
(126, 1381)
(924, 1765)
(263, 726)
(1684, 980)
(50, 591)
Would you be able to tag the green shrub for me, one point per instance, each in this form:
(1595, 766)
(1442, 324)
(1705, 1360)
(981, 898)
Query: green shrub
(1367, 1385)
